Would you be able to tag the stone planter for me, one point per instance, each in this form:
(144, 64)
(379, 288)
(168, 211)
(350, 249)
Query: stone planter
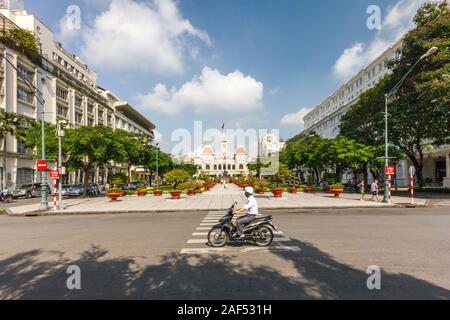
(191, 192)
(114, 196)
(142, 193)
(260, 191)
(123, 193)
(278, 192)
(336, 192)
(309, 190)
(176, 195)
(157, 193)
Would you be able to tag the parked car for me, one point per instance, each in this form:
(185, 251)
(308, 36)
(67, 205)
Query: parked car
(75, 190)
(29, 190)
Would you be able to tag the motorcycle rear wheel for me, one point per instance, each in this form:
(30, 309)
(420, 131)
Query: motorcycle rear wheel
(218, 238)
(267, 237)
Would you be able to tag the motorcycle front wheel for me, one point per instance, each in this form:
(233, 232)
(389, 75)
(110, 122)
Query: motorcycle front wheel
(265, 237)
(218, 238)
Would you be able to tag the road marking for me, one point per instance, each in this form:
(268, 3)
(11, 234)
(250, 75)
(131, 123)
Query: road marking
(287, 248)
(281, 239)
(202, 250)
(200, 234)
(208, 224)
(204, 241)
(203, 228)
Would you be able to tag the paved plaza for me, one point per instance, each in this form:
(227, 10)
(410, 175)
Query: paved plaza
(218, 198)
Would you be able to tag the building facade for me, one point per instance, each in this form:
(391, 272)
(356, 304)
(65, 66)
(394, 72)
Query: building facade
(223, 163)
(325, 119)
(269, 145)
(69, 91)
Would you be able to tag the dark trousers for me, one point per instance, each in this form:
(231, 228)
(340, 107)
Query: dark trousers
(241, 221)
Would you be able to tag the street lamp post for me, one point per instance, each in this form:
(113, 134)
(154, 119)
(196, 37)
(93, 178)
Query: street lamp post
(60, 133)
(157, 167)
(387, 97)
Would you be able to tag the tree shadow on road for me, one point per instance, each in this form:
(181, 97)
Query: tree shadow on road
(42, 275)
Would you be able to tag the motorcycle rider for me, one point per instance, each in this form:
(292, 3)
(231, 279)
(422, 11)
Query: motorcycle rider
(251, 210)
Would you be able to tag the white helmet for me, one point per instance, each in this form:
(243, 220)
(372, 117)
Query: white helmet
(249, 190)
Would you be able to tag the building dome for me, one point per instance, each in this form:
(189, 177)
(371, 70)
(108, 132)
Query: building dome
(241, 150)
(208, 150)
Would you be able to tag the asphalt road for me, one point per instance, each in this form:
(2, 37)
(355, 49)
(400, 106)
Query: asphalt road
(324, 255)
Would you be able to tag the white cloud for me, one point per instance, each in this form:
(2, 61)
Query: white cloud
(148, 36)
(396, 23)
(295, 119)
(211, 91)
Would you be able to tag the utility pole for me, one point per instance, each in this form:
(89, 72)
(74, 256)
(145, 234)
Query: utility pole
(61, 134)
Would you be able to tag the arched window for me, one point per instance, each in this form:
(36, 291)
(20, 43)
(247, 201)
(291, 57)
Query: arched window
(234, 167)
(241, 167)
(215, 167)
(229, 167)
(208, 167)
(220, 167)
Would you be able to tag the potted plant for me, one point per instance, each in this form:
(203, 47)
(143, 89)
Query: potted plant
(157, 192)
(261, 186)
(282, 174)
(293, 189)
(114, 194)
(188, 187)
(337, 189)
(141, 192)
(175, 177)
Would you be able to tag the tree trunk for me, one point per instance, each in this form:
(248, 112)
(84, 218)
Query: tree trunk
(365, 173)
(316, 172)
(4, 165)
(86, 171)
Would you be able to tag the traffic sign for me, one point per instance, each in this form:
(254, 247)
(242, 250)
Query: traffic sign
(390, 170)
(412, 171)
(54, 174)
(42, 165)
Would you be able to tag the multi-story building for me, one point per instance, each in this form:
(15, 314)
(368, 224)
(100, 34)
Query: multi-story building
(68, 90)
(223, 163)
(325, 118)
(270, 145)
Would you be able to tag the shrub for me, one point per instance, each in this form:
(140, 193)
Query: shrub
(114, 190)
(337, 186)
(175, 177)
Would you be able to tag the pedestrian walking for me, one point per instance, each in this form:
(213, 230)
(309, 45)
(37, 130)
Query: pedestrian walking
(362, 189)
(374, 190)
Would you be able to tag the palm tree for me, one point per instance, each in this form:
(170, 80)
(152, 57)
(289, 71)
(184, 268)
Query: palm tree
(9, 123)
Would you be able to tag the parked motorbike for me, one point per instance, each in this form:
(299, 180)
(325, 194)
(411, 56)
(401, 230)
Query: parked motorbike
(6, 196)
(259, 231)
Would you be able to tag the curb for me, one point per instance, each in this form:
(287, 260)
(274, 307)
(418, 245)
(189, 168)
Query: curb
(73, 213)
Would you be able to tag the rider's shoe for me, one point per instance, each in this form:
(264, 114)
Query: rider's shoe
(241, 237)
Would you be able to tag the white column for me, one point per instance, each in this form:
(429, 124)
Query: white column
(446, 183)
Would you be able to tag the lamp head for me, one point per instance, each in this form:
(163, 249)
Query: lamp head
(430, 52)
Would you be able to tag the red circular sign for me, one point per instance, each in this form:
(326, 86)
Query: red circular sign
(42, 165)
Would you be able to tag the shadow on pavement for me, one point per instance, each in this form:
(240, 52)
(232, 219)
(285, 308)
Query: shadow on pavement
(32, 275)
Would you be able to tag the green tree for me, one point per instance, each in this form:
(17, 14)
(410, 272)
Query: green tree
(133, 146)
(190, 168)
(419, 113)
(32, 138)
(282, 174)
(87, 147)
(9, 124)
(175, 177)
(258, 165)
(165, 162)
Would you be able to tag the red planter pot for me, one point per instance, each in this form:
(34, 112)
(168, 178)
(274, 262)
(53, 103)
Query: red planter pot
(277, 193)
(157, 193)
(114, 196)
(142, 194)
(336, 192)
(191, 192)
(293, 190)
(309, 190)
(176, 195)
(261, 191)
(123, 193)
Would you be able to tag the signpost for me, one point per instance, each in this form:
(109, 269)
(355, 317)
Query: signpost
(55, 176)
(412, 171)
(389, 171)
(42, 165)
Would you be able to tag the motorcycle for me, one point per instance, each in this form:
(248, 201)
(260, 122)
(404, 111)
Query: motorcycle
(6, 196)
(259, 231)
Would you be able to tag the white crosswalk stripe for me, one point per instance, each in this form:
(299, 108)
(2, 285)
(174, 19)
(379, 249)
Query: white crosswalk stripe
(199, 242)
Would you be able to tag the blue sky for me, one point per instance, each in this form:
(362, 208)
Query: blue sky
(248, 63)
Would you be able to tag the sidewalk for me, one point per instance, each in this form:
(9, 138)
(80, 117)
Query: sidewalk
(216, 199)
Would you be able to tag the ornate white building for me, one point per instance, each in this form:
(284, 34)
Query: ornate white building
(222, 163)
